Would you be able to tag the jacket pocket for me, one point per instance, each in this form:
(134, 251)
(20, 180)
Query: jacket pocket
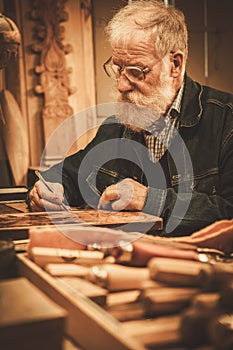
(204, 182)
(207, 182)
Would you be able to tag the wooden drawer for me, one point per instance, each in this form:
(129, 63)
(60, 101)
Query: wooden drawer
(163, 323)
(88, 324)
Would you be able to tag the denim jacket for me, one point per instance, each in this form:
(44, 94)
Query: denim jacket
(190, 187)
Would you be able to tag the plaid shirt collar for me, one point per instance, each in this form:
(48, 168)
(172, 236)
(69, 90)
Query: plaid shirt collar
(174, 111)
(171, 115)
(164, 129)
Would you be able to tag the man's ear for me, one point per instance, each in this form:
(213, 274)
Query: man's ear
(177, 59)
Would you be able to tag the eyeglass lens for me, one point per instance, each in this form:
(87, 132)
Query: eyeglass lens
(114, 71)
(132, 73)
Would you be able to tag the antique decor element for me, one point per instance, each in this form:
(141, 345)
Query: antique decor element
(54, 74)
(10, 39)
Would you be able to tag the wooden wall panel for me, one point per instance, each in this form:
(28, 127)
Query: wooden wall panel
(219, 29)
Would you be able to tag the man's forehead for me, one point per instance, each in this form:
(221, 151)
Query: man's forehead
(133, 45)
(135, 36)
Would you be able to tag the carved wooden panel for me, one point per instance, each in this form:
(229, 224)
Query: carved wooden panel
(56, 53)
(53, 72)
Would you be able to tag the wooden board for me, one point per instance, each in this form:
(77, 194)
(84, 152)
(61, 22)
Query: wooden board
(17, 207)
(13, 194)
(15, 137)
(16, 225)
(5, 209)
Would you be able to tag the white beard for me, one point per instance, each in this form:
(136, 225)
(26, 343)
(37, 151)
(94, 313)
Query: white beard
(139, 111)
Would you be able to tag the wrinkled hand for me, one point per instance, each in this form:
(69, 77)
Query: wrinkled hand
(41, 198)
(125, 195)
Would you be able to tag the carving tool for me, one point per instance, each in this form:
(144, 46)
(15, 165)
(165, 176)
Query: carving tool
(38, 174)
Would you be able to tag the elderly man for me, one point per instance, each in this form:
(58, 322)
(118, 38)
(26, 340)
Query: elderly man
(168, 151)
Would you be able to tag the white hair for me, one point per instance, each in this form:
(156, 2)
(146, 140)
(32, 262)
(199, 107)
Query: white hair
(164, 24)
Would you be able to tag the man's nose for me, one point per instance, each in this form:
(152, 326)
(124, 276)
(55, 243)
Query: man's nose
(124, 84)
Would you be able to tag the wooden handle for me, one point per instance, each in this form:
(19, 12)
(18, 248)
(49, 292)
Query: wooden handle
(178, 272)
(116, 277)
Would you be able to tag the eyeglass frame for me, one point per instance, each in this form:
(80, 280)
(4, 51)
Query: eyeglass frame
(144, 71)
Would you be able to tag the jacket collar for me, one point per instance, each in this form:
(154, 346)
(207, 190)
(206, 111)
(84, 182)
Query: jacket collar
(191, 109)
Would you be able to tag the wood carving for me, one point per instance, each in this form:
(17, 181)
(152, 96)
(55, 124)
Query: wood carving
(85, 5)
(124, 220)
(54, 74)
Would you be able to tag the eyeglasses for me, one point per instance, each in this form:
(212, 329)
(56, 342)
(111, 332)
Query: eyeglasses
(133, 73)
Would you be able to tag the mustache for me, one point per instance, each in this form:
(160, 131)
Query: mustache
(157, 102)
(136, 97)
